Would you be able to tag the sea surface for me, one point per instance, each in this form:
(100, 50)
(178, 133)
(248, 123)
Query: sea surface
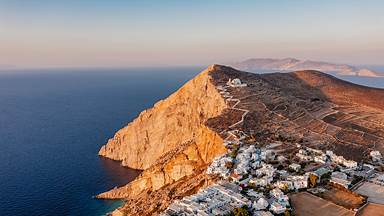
(376, 82)
(53, 122)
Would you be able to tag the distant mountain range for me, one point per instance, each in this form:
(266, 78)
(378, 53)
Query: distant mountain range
(292, 64)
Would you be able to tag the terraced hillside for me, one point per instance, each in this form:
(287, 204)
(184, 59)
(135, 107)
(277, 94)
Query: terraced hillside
(310, 108)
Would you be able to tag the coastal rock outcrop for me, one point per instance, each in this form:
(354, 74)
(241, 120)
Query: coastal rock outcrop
(170, 141)
(171, 122)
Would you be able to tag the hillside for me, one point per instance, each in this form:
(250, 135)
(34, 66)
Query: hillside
(177, 139)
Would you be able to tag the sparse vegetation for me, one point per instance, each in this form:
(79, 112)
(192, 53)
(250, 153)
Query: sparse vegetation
(243, 211)
(312, 180)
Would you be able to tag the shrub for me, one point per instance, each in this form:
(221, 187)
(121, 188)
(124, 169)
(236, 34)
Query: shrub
(241, 211)
(312, 180)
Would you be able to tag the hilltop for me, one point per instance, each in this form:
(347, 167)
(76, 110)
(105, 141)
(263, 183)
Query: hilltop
(175, 141)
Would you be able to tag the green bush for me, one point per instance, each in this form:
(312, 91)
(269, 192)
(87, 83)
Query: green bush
(241, 211)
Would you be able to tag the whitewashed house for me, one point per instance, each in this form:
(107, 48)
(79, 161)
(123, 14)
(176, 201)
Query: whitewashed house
(299, 182)
(340, 178)
(276, 193)
(261, 204)
(320, 158)
(236, 83)
(295, 167)
(350, 164)
(376, 156)
(277, 208)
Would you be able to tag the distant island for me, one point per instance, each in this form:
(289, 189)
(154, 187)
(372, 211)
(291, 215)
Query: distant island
(230, 142)
(292, 64)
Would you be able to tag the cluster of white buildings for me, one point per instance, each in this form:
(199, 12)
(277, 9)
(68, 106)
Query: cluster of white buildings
(252, 169)
(247, 159)
(277, 203)
(259, 185)
(347, 168)
(220, 165)
(214, 200)
(310, 154)
(328, 158)
(340, 160)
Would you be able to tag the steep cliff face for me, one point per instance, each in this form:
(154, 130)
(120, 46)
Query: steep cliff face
(171, 122)
(185, 160)
(172, 144)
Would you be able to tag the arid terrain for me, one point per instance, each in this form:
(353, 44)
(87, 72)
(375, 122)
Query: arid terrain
(308, 107)
(174, 142)
(307, 204)
(372, 209)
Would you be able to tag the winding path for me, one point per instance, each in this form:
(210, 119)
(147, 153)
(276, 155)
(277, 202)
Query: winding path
(228, 97)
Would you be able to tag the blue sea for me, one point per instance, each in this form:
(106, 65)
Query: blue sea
(52, 124)
(377, 82)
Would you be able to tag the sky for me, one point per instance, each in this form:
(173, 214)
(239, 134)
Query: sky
(123, 33)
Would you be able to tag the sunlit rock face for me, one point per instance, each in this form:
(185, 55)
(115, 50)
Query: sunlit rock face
(171, 122)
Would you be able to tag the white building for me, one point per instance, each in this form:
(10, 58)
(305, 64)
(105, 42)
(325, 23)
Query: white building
(266, 169)
(299, 182)
(376, 156)
(320, 158)
(315, 151)
(350, 164)
(329, 153)
(261, 204)
(295, 167)
(277, 208)
(303, 157)
(236, 83)
(276, 193)
(261, 182)
(254, 194)
(219, 166)
(340, 178)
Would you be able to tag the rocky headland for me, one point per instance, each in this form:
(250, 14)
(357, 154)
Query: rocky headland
(175, 141)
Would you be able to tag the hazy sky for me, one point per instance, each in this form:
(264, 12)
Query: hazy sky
(118, 33)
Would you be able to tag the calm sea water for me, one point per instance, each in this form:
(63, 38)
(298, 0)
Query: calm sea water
(52, 124)
(377, 82)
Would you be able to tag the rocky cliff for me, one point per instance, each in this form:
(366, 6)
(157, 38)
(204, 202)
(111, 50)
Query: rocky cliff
(170, 142)
(171, 122)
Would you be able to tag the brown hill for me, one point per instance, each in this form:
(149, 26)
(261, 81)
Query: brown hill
(176, 140)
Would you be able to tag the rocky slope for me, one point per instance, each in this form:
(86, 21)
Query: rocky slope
(176, 140)
(292, 64)
(169, 141)
(171, 122)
